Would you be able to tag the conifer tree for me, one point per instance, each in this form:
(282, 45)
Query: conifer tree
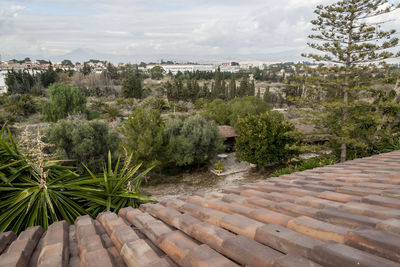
(203, 92)
(132, 85)
(252, 89)
(213, 91)
(232, 87)
(243, 87)
(352, 47)
(218, 82)
(222, 93)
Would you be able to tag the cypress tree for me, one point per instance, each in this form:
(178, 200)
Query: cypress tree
(252, 89)
(232, 87)
(243, 87)
(218, 82)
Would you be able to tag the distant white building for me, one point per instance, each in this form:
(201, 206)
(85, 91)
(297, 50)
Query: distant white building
(232, 69)
(175, 68)
(203, 68)
(3, 87)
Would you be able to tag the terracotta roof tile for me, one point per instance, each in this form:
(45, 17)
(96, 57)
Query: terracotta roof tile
(227, 131)
(341, 215)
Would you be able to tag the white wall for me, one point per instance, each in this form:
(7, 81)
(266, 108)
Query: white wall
(3, 88)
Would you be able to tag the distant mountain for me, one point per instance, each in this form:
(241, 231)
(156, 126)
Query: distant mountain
(84, 54)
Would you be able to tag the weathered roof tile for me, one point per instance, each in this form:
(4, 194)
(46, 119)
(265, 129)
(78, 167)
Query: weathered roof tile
(290, 221)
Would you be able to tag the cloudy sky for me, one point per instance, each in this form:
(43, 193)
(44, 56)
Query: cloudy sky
(135, 30)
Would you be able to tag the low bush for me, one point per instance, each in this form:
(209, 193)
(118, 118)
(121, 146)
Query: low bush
(191, 141)
(110, 112)
(19, 105)
(64, 100)
(219, 166)
(82, 142)
(229, 113)
(305, 165)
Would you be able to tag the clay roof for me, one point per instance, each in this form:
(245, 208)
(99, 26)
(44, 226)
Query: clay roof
(342, 215)
(227, 131)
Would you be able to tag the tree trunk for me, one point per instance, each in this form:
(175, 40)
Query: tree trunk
(343, 152)
(343, 147)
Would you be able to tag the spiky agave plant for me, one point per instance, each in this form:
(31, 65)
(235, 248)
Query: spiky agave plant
(116, 187)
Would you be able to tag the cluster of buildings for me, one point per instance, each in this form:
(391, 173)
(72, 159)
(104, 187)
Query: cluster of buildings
(29, 65)
(99, 66)
(175, 68)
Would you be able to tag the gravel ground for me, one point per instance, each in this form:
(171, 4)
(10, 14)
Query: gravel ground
(190, 183)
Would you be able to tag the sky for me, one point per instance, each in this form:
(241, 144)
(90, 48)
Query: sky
(142, 30)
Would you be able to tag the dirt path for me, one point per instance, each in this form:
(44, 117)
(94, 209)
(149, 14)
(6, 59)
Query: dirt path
(188, 184)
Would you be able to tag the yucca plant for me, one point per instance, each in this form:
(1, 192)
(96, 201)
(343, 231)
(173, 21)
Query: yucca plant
(41, 191)
(113, 189)
(33, 192)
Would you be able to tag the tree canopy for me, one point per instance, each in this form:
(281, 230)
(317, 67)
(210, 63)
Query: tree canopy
(132, 85)
(265, 138)
(144, 137)
(86, 142)
(64, 100)
(191, 140)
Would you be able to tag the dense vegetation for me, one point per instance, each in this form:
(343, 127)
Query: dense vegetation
(177, 142)
(227, 113)
(266, 138)
(349, 95)
(82, 142)
(357, 116)
(143, 136)
(64, 100)
(191, 140)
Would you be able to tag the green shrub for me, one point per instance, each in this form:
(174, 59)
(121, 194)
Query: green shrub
(265, 138)
(200, 103)
(21, 82)
(244, 106)
(127, 103)
(218, 111)
(64, 100)
(19, 105)
(305, 165)
(92, 115)
(82, 142)
(143, 136)
(159, 103)
(219, 166)
(111, 112)
(191, 140)
(178, 106)
(132, 85)
(228, 114)
(98, 105)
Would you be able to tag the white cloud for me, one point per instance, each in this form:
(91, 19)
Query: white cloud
(131, 30)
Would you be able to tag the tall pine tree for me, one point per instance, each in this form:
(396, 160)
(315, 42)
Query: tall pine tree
(352, 46)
